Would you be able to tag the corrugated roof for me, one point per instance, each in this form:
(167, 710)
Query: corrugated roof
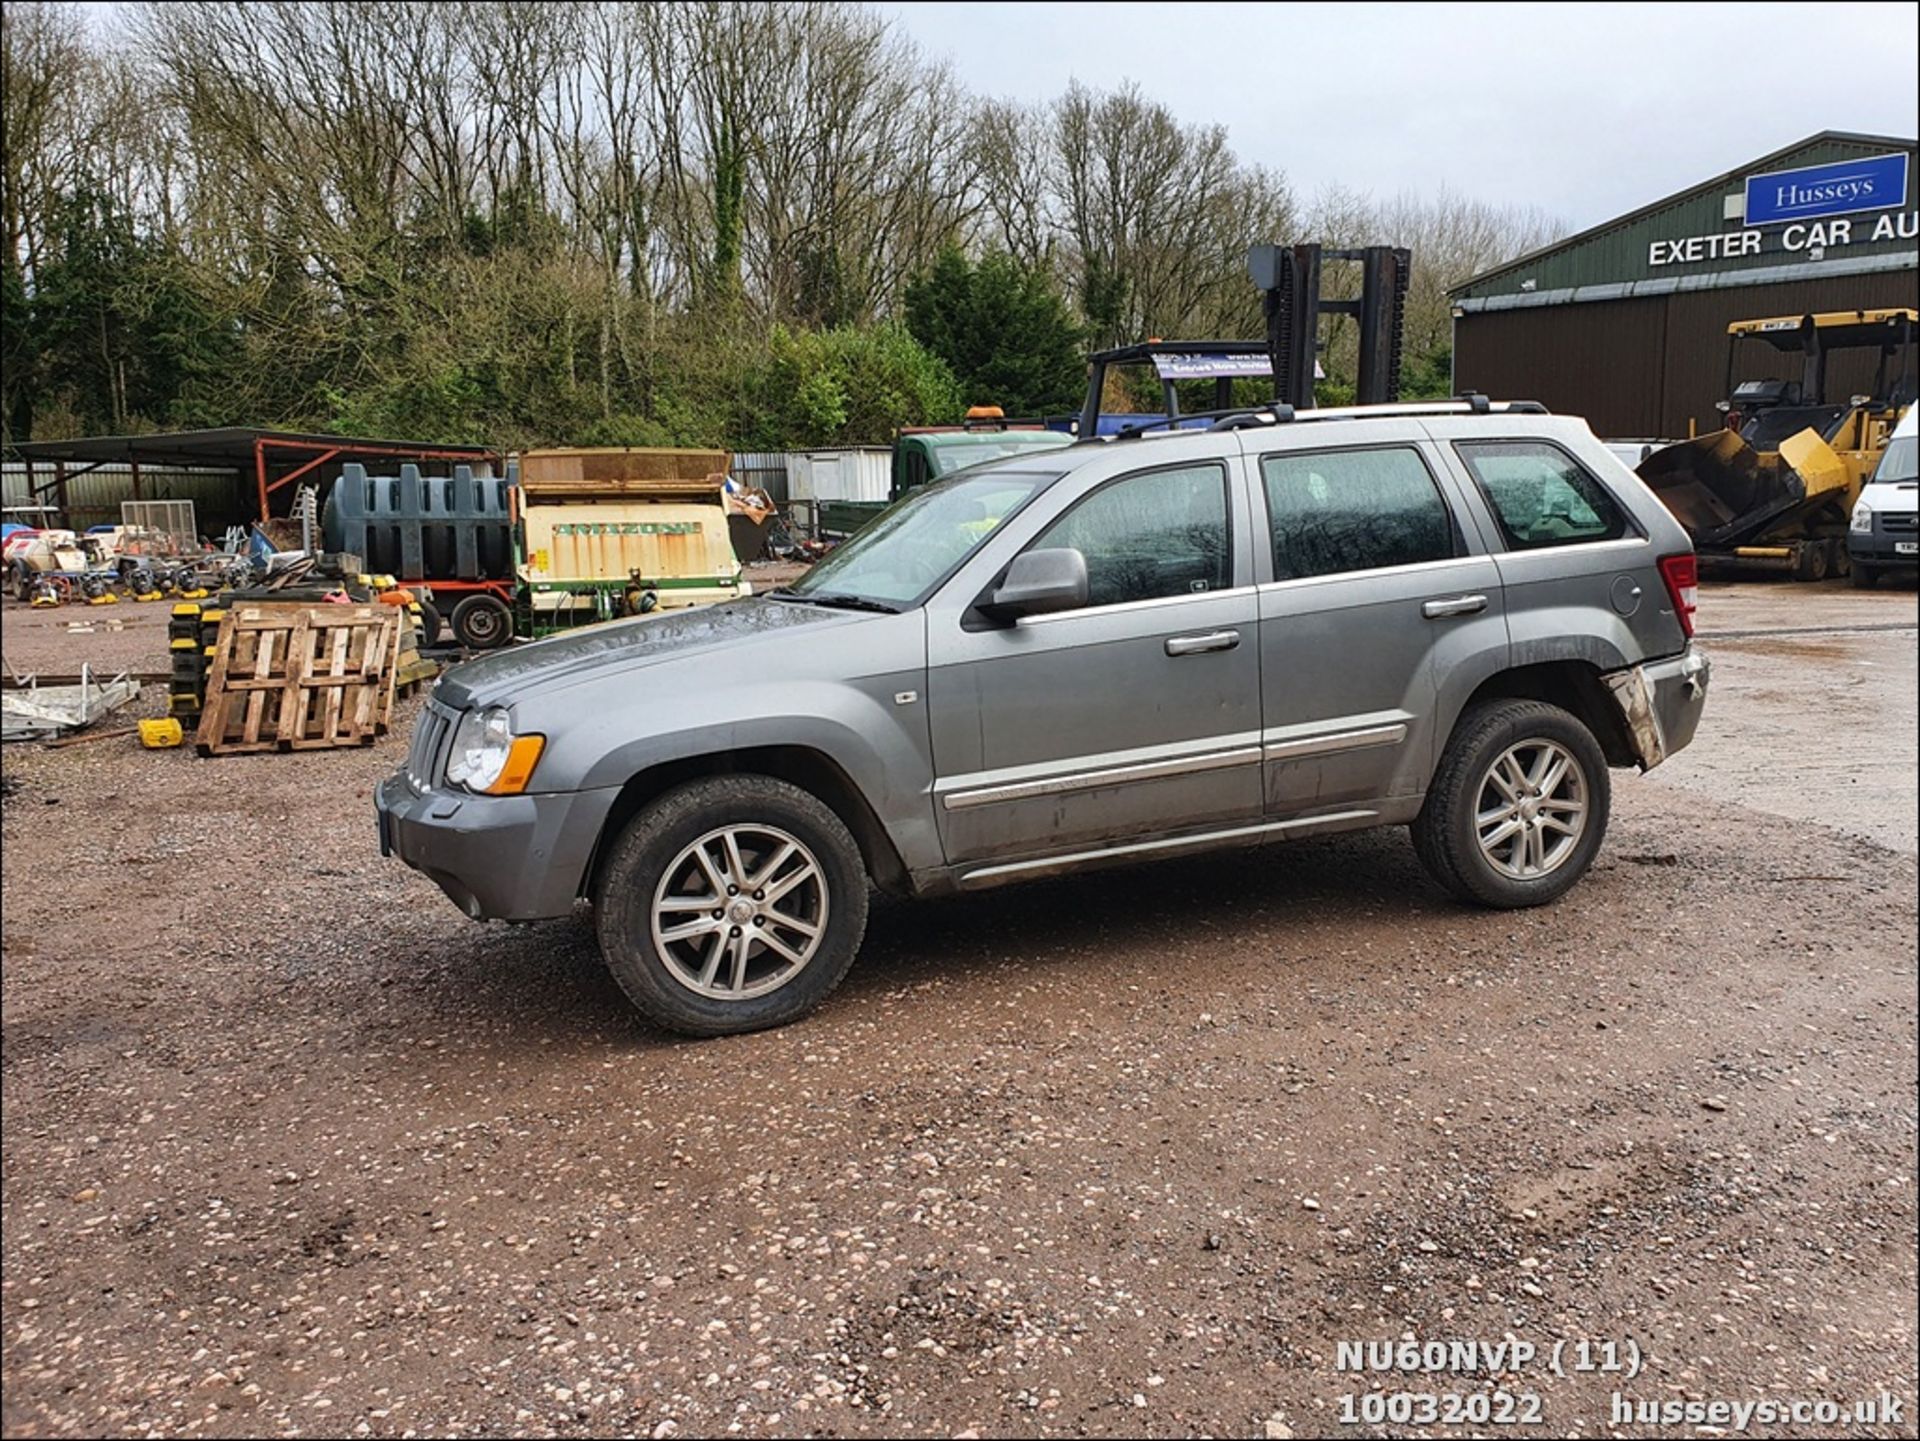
(1737, 174)
(229, 447)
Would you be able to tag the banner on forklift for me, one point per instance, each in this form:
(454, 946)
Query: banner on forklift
(1213, 367)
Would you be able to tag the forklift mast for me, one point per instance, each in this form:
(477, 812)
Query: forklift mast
(1289, 279)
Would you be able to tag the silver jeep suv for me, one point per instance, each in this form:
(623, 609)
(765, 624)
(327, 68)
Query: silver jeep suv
(1453, 617)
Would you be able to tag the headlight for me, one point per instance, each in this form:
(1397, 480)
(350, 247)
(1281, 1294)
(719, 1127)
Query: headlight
(488, 758)
(1862, 519)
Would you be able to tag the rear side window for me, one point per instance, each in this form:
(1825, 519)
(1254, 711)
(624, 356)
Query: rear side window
(1342, 510)
(1157, 534)
(1541, 495)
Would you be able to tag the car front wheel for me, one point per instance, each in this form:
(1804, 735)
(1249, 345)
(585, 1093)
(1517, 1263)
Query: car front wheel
(1518, 807)
(732, 903)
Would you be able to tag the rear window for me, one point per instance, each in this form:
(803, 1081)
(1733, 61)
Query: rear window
(1542, 496)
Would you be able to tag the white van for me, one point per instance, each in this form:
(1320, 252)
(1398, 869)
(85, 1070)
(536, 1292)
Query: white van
(1885, 534)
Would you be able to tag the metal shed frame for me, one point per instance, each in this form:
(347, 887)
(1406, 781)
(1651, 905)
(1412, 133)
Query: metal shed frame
(272, 459)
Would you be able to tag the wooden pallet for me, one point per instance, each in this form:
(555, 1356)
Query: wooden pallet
(288, 676)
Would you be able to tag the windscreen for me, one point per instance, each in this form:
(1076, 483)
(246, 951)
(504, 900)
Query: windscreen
(1901, 462)
(912, 545)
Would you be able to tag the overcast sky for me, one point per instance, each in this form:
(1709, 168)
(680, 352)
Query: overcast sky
(1586, 111)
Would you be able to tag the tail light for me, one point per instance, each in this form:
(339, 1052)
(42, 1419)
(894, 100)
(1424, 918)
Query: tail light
(1682, 575)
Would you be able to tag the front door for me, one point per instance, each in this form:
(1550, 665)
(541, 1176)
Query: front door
(1135, 716)
(1372, 591)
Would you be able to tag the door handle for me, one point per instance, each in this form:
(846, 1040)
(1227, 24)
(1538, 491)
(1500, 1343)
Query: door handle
(1201, 644)
(1454, 605)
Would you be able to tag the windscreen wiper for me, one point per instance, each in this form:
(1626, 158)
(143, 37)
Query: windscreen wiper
(836, 600)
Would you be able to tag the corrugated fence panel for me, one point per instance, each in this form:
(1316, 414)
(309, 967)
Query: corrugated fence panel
(94, 498)
(845, 473)
(762, 469)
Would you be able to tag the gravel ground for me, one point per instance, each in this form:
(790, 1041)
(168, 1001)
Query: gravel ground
(1812, 710)
(57, 640)
(133, 636)
(291, 1147)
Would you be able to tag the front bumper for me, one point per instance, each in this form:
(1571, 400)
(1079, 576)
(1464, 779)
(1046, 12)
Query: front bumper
(509, 858)
(1881, 545)
(1661, 703)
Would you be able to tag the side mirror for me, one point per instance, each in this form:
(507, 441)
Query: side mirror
(1038, 582)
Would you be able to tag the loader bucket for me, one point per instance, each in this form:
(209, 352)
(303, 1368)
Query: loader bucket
(1723, 490)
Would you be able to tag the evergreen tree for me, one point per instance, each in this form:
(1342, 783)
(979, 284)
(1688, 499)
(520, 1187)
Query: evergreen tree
(1005, 331)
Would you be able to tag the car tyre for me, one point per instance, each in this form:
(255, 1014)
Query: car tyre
(482, 622)
(641, 895)
(429, 636)
(1458, 833)
(1865, 576)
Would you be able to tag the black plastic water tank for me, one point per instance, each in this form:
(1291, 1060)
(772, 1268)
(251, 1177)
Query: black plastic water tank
(415, 527)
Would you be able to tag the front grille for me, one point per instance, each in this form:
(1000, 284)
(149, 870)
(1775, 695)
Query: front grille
(1904, 524)
(426, 755)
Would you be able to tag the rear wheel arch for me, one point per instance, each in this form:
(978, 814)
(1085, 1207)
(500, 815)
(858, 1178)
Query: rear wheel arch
(811, 770)
(1575, 686)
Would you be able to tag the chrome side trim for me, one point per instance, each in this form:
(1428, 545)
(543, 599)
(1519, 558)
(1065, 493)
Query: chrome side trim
(1625, 542)
(1144, 848)
(1127, 607)
(1453, 562)
(1110, 776)
(1331, 744)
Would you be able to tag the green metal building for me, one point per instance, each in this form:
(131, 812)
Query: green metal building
(1626, 323)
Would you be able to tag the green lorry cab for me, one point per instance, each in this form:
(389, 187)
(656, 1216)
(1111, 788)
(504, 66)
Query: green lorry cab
(932, 452)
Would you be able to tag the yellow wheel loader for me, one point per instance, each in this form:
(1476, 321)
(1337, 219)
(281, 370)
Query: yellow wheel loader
(1774, 489)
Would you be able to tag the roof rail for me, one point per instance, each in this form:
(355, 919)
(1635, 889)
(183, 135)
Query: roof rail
(1129, 432)
(1461, 405)
(1472, 403)
(1281, 414)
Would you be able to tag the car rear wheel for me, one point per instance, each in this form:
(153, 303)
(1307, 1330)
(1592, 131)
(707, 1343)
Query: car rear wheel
(732, 903)
(1518, 807)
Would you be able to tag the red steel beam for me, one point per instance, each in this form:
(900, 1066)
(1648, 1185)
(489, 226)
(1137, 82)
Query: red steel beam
(325, 451)
(295, 474)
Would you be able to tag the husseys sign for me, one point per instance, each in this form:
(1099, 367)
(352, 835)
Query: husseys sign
(1807, 210)
(1845, 188)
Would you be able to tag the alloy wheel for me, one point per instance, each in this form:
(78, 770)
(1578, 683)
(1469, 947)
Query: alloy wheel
(740, 912)
(1532, 809)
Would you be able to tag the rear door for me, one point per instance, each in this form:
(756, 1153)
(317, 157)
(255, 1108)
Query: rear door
(1372, 584)
(1580, 573)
